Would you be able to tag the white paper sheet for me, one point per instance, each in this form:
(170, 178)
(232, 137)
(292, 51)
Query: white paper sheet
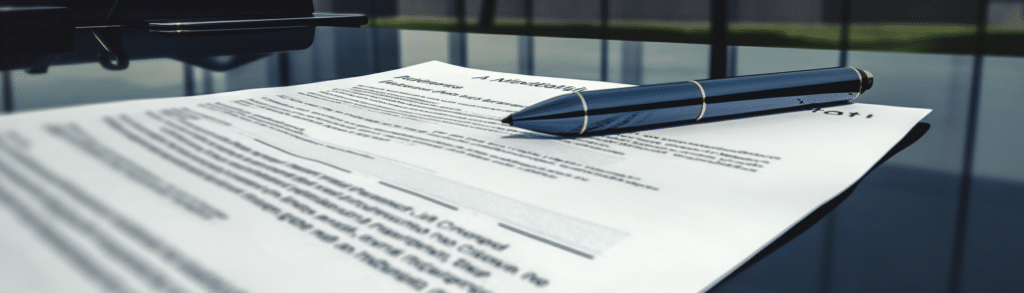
(405, 181)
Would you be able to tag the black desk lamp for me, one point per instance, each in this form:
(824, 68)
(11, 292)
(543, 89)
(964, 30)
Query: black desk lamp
(176, 16)
(34, 33)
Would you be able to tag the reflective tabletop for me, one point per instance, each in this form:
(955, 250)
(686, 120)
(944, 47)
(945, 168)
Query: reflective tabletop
(946, 214)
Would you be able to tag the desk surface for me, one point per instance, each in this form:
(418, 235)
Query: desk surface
(944, 215)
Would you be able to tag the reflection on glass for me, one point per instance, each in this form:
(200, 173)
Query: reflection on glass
(668, 62)
(569, 58)
(759, 60)
(255, 74)
(493, 52)
(6, 93)
(457, 48)
(900, 217)
(991, 258)
(614, 61)
(89, 83)
(997, 153)
(526, 56)
(937, 82)
(421, 46)
(632, 62)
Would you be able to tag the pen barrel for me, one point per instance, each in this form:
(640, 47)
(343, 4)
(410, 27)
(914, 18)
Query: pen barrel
(641, 106)
(758, 93)
(631, 108)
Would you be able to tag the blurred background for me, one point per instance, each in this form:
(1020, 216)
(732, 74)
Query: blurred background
(944, 215)
(936, 26)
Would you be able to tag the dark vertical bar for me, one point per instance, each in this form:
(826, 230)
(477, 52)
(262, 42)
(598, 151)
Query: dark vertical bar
(846, 16)
(827, 251)
(386, 53)
(731, 61)
(207, 82)
(284, 69)
(457, 48)
(604, 60)
(371, 12)
(528, 14)
(526, 48)
(487, 14)
(604, 40)
(374, 55)
(632, 62)
(460, 15)
(967, 174)
(457, 40)
(190, 82)
(719, 30)
(526, 55)
(604, 19)
(829, 237)
(8, 92)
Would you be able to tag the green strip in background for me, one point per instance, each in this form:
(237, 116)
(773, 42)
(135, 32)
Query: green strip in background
(912, 38)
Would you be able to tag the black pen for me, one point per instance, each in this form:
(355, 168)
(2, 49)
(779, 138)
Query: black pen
(635, 108)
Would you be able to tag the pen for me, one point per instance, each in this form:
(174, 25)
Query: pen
(641, 107)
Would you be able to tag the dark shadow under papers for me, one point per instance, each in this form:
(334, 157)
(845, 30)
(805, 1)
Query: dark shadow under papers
(915, 133)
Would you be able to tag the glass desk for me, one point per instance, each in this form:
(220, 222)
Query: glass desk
(944, 215)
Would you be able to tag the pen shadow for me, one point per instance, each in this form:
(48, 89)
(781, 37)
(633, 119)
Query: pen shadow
(536, 135)
(915, 133)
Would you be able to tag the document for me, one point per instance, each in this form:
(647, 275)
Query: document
(406, 181)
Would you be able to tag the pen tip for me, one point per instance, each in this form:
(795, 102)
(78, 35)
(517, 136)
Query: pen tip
(507, 120)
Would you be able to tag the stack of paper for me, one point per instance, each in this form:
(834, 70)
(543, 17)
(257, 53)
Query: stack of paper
(406, 181)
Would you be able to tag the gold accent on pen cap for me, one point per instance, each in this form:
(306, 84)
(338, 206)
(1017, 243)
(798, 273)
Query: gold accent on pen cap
(703, 100)
(869, 80)
(860, 79)
(585, 118)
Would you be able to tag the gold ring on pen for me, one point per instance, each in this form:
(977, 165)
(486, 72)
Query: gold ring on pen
(860, 80)
(585, 118)
(703, 100)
